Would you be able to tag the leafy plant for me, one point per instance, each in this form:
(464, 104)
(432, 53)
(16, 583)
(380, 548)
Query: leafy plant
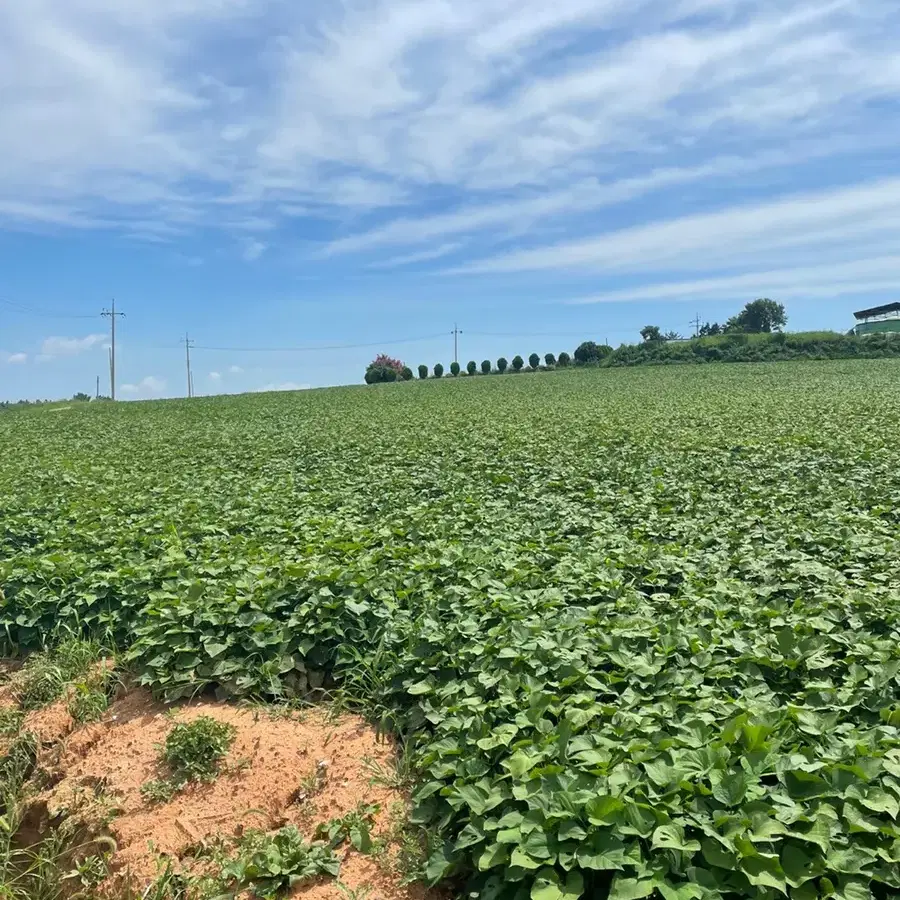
(272, 864)
(192, 752)
(355, 827)
(47, 674)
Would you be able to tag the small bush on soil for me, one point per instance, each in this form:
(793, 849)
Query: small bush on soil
(194, 749)
(10, 721)
(269, 864)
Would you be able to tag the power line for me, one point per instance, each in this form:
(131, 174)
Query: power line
(411, 340)
(45, 313)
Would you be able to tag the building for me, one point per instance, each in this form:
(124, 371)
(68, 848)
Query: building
(878, 320)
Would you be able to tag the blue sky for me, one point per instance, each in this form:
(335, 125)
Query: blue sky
(267, 173)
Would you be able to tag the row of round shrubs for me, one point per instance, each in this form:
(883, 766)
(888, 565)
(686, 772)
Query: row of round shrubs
(376, 374)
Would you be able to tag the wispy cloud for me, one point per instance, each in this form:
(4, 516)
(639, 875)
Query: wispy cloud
(235, 370)
(420, 256)
(15, 359)
(215, 376)
(53, 347)
(500, 132)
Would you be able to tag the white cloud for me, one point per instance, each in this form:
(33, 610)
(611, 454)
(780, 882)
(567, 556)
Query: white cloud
(235, 370)
(253, 250)
(151, 386)
(53, 347)
(434, 127)
(802, 226)
(409, 259)
(283, 386)
(820, 281)
(16, 359)
(215, 376)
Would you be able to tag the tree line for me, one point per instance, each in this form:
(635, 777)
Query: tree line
(755, 334)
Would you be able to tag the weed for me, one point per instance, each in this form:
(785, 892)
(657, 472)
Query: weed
(403, 848)
(355, 826)
(194, 750)
(268, 864)
(45, 676)
(160, 790)
(11, 721)
(360, 893)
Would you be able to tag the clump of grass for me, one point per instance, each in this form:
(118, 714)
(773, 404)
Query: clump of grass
(403, 848)
(11, 721)
(193, 751)
(45, 676)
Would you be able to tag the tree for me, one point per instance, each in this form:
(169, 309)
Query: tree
(454, 368)
(759, 316)
(549, 359)
(586, 352)
(406, 373)
(438, 371)
(381, 374)
(486, 367)
(651, 333)
(564, 360)
(517, 363)
(672, 336)
(710, 330)
(81, 397)
(423, 372)
(380, 369)
(502, 364)
(471, 367)
(534, 361)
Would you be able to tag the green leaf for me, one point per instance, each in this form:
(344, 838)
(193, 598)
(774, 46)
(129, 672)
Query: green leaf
(671, 837)
(603, 810)
(601, 851)
(731, 789)
(548, 886)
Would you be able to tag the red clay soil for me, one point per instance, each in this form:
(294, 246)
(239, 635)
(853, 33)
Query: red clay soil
(263, 784)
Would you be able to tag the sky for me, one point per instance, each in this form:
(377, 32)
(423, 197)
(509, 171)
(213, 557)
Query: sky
(299, 186)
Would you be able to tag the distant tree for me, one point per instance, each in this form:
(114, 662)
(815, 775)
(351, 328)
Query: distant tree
(549, 359)
(486, 367)
(406, 373)
(651, 333)
(759, 316)
(672, 336)
(564, 360)
(517, 363)
(383, 368)
(381, 374)
(81, 397)
(454, 368)
(586, 352)
(502, 364)
(471, 367)
(423, 372)
(534, 361)
(438, 371)
(710, 330)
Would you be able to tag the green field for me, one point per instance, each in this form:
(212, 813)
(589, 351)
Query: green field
(641, 626)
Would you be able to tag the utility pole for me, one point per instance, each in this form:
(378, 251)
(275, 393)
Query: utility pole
(111, 315)
(696, 323)
(188, 343)
(456, 333)
(98, 388)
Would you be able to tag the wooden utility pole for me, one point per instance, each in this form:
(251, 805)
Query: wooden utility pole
(456, 333)
(98, 388)
(111, 314)
(188, 343)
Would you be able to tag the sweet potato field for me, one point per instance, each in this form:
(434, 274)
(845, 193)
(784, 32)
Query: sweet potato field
(638, 630)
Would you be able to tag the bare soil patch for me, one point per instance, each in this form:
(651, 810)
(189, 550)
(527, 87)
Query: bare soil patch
(301, 769)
